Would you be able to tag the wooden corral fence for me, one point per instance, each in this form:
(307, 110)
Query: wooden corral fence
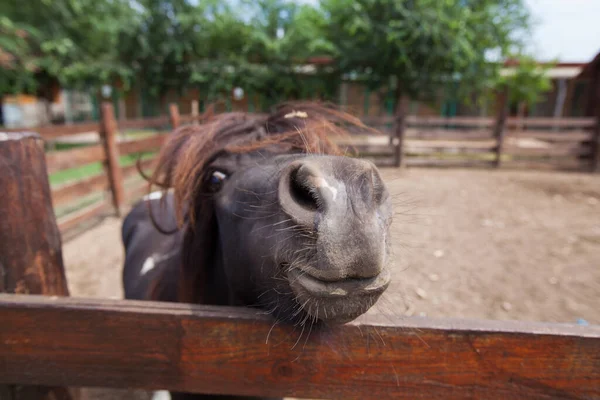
(528, 143)
(115, 184)
(51, 345)
(569, 144)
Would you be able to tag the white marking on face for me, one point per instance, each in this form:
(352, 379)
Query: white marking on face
(148, 266)
(153, 196)
(320, 182)
(161, 395)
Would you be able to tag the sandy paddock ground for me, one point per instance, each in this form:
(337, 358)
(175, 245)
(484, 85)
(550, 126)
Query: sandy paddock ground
(482, 244)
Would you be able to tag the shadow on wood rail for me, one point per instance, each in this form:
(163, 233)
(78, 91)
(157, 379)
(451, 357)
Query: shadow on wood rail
(151, 345)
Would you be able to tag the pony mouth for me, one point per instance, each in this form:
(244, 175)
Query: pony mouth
(303, 282)
(336, 302)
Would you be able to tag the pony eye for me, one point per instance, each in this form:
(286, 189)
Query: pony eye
(216, 180)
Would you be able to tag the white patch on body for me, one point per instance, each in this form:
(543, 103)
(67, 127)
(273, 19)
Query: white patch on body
(153, 196)
(161, 395)
(149, 265)
(154, 259)
(320, 182)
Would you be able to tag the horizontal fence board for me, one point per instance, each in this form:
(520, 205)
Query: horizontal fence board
(551, 151)
(110, 343)
(565, 136)
(452, 121)
(365, 149)
(554, 122)
(53, 131)
(548, 165)
(442, 153)
(140, 123)
(73, 219)
(436, 162)
(65, 159)
(135, 146)
(65, 193)
(458, 144)
(448, 134)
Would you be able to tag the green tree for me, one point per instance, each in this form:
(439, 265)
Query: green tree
(261, 47)
(420, 47)
(71, 42)
(526, 82)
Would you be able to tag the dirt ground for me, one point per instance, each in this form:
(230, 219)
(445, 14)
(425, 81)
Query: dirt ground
(467, 243)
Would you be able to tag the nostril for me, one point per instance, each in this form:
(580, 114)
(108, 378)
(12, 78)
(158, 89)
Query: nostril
(302, 192)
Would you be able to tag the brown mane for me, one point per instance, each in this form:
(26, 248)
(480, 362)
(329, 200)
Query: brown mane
(301, 127)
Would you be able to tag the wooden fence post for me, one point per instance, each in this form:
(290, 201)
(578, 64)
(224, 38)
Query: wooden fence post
(174, 115)
(500, 127)
(596, 143)
(30, 243)
(108, 132)
(594, 106)
(195, 112)
(400, 132)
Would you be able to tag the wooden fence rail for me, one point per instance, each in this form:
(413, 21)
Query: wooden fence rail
(223, 350)
(544, 143)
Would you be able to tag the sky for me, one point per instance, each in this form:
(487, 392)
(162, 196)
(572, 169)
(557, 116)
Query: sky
(568, 30)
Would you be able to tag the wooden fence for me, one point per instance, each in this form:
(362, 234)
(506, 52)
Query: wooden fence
(529, 143)
(50, 346)
(115, 185)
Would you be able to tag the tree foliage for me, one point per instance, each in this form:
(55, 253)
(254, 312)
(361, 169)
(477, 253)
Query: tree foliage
(416, 46)
(423, 46)
(73, 42)
(526, 82)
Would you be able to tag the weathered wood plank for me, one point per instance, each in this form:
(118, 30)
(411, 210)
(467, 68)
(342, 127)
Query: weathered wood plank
(30, 243)
(551, 122)
(566, 136)
(150, 345)
(60, 160)
(108, 133)
(66, 193)
(500, 124)
(135, 146)
(554, 151)
(448, 134)
(452, 121)
(140, 123)
(363, 149)
(569, 164)
(174, 117)
(455, 163)
(53, 131)
(456, 144)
